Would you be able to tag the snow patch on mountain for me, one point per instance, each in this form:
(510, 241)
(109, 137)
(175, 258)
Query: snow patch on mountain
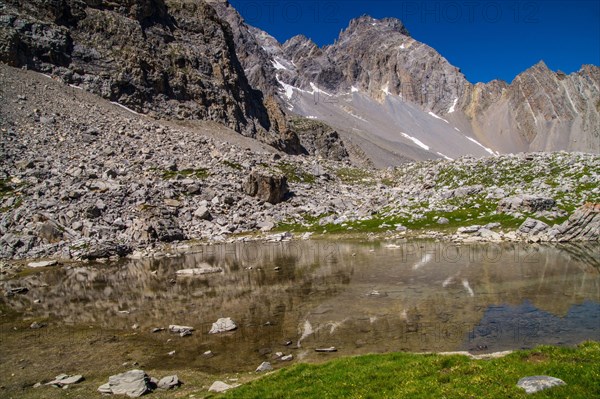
(278, 65)
(416, 141)
(452, 108)
(437, 117)
(482, 146)
(445, 156)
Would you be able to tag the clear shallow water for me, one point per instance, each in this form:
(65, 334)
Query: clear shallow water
(361, 297)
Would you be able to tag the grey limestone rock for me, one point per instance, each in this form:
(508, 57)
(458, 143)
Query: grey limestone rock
(539, 383)
(224, 324)
(133, 383)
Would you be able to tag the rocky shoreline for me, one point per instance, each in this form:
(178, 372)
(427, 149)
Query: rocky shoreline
(82, 178)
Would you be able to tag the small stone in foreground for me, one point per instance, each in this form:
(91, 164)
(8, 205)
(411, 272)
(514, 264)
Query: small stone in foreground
(220, 386)
(64, 379)
(105, 389)
(539, 383)
(264, 366)
(179, 329)
(168, 382)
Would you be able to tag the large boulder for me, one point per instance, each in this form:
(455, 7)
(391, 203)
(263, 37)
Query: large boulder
(267, 188)
(133, 383)
(462, 191)
(525, 203)
(224, 324)
(156, 224)
(533, 227)
(105, 249)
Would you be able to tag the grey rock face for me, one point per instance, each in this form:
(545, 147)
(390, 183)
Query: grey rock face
(582, 225)
(252, 55)
(272, 189)
(539, 383)
(319, 139)
(549, 108)
(177, 62)
(105, 389)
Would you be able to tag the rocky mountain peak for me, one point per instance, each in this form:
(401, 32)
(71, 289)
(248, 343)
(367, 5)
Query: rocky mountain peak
(540, 68)
(299, 40)
(366, 23)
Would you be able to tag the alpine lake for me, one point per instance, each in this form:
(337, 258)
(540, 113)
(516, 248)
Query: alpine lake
(359, 296)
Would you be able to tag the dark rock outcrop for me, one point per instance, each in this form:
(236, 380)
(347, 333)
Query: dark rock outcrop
(272, 189)
(175, 61)
(156, 224)
(526, 203)
(319, 139)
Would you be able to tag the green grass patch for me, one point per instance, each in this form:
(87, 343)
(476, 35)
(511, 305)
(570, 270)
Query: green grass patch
(355, 176)
(404, 375)
(9, 189)
(201, 173)
(5, 187)
(294, 174)
(232, 165)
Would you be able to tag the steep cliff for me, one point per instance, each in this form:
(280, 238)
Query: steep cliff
(170, 58)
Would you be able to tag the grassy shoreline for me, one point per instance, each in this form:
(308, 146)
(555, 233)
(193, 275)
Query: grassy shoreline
(406, 375)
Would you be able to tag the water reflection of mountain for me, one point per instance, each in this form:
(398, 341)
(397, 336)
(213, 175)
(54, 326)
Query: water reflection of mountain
(429, 296)
(148, 292)
(524, 326)
(360, 297)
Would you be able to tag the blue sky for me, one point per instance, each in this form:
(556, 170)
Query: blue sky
(486, 39)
